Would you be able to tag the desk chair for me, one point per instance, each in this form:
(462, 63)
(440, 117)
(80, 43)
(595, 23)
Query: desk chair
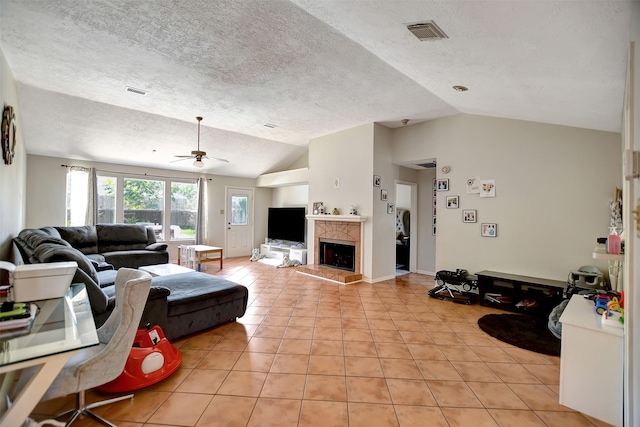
(100, 364)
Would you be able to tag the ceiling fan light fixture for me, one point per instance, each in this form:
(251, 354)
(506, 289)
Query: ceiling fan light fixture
(198, 163)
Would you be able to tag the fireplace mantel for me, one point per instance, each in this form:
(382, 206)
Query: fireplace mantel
(342, 218)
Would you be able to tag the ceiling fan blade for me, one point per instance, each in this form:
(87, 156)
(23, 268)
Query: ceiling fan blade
(183, 158)
(186, 157)
(216, 158)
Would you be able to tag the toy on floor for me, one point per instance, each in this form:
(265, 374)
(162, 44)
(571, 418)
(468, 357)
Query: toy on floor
(152, 359)
(455, 286)
(256, 255)
(287, 262)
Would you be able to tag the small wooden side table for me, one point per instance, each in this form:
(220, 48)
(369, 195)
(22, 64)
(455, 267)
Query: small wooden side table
(201, 253)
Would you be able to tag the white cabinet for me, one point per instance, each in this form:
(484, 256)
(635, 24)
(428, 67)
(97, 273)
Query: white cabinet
(278, 252)
(591, 363)
(298, 255)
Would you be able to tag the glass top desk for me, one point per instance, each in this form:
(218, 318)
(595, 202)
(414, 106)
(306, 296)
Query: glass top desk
(61, 328)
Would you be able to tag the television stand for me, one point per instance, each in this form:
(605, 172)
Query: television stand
(277, 251)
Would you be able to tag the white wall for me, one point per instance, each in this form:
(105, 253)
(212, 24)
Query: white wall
(552, 199)
(384, 224)
(46, 193)
(347, 155)
(292, 195)
(632, 199)
(12, 177)
(403, 196)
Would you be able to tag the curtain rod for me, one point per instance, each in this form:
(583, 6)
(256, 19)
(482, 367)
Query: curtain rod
(130, 173)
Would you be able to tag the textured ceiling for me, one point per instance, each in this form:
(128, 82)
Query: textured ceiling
(311, 67)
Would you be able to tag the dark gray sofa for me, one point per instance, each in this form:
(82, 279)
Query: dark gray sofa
(181, 304)
(121, 245)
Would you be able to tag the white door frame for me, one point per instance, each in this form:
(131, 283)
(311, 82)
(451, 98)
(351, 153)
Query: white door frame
(413, 225)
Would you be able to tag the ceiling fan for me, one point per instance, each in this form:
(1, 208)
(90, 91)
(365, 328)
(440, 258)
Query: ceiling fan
(197, 154)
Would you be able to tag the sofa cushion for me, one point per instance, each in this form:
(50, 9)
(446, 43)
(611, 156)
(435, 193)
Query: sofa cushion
(84, 238)
(53, 252)
(135, 259)
(157, 247)
(35, 237)
(121, 237)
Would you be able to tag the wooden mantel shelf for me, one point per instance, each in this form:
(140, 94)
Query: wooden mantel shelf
(343, 218)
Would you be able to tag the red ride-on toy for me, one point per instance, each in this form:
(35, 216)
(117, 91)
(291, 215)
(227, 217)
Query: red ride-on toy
(152, 359)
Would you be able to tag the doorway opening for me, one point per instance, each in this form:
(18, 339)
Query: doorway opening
(406, 224)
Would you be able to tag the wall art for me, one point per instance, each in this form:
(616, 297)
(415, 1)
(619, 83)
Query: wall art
(489, 229)
(488, 188)
(469, 215)
(452, 202)
(377, 181)
(443, 184)
(383, 194)
(473, 185)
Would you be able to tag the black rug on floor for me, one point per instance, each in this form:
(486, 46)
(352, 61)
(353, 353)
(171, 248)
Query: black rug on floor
(528, 332)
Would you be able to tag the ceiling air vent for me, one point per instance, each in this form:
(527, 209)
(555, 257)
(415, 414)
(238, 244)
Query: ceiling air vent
(427, 31)
(429, 165)
(134, 90)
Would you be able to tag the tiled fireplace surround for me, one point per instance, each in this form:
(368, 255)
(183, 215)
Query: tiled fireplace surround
(336, 230)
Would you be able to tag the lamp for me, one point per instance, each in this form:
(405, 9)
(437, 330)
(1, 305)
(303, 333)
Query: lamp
(198, 163)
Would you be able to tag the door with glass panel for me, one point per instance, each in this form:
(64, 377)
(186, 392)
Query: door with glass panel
(239, 222)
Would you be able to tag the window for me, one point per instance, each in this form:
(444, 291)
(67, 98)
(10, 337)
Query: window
(106, 199)
(239, 210)
(144, 203)
(184, 210)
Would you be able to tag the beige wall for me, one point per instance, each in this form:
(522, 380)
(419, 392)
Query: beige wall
(426, 241)
(347, 155)
(12, 177)
(553, 185)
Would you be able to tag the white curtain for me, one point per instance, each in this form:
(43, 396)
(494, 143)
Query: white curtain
(77, 191)
(201, 220)
(92, 198)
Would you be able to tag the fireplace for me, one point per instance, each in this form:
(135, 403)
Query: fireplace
(337, 254)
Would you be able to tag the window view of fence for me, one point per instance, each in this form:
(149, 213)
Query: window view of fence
(106, 199)
(144, 203)
(184, 210)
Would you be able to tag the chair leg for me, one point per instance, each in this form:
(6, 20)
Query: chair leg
(83, 409)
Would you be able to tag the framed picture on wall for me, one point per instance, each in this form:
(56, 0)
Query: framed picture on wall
(383, 194)
(391, 208)
(489, 229)
(377, 181)
(469, 215)
(443, 184)
(452, 202)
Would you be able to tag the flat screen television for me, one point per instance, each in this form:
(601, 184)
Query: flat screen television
(287, 224)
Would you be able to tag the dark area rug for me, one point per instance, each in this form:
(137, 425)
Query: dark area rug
(528, 332)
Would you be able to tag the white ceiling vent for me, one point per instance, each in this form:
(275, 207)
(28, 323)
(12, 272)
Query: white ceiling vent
(136, 91)
(427, 30)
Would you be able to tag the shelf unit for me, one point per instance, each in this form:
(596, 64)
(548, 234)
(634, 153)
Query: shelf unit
(279, 250)
(514, 289)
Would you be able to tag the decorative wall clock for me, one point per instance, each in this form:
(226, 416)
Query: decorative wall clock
(8, 135)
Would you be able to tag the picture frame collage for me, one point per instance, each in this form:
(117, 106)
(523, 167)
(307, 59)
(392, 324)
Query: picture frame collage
(384, 194)
(483, 188)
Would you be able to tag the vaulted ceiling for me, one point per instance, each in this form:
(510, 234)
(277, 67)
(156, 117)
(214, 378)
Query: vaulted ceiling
(309, 67)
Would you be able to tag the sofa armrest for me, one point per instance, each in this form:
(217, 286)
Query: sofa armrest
(157, 292)
(157, 247)
(156, 310)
